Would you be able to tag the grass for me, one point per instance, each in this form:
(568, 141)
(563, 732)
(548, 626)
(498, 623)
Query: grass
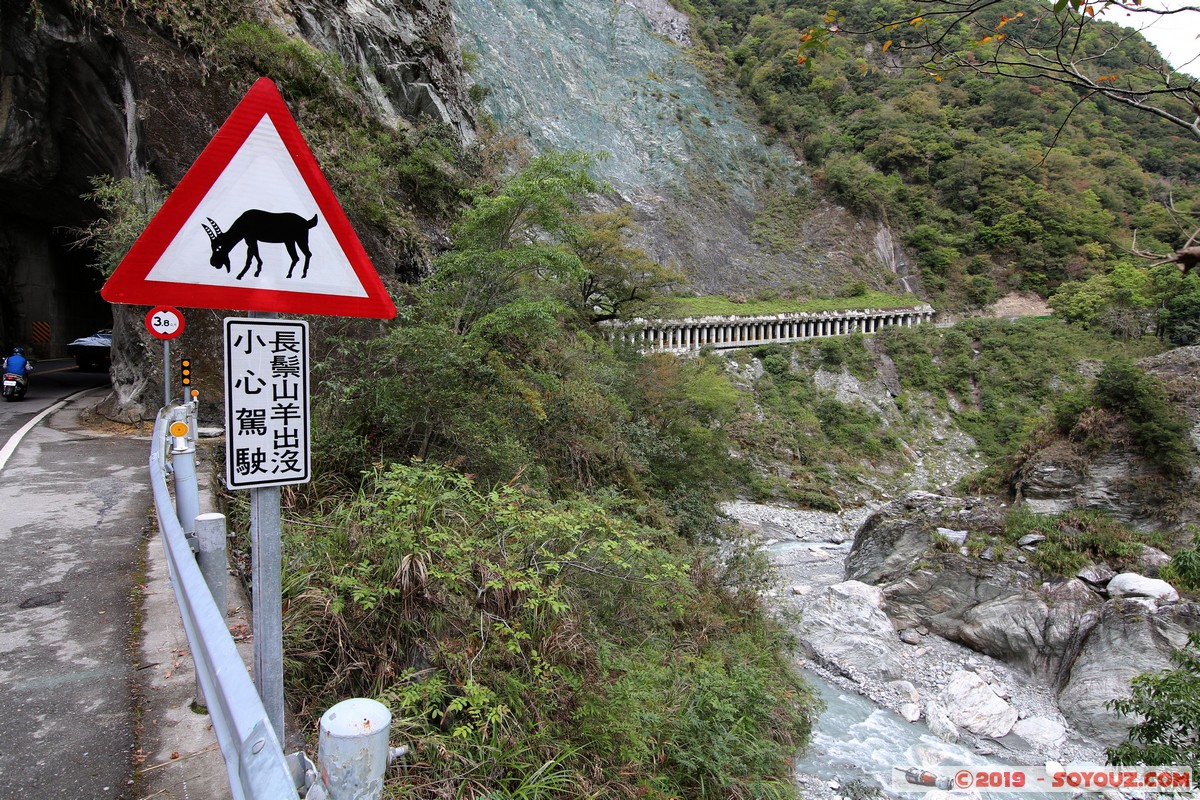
(538, 648)
(1075, 539)
(724, 307)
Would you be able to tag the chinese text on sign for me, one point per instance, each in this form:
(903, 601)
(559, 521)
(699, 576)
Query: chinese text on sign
(266, 403)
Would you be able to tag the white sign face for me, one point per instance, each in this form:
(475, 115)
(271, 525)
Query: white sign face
(164, 322)
(287, 247)
(266, 403)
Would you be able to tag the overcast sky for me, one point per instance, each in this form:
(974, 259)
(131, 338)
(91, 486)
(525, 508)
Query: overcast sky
(1174, 34)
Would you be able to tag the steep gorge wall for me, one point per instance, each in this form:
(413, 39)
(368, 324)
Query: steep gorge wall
(405, 55)
(63, 118)
(80, 97)
(613, 76)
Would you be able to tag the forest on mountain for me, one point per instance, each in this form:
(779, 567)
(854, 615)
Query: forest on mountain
(998, 183)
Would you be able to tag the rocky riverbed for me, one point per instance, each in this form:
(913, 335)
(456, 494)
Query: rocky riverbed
(961, 695)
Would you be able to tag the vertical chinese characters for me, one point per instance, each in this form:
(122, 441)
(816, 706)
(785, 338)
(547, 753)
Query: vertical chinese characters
(267, 402)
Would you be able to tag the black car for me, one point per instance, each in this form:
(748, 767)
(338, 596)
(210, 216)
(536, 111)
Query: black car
(93, 353)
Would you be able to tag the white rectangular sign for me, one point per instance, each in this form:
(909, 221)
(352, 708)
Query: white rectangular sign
(266, 403)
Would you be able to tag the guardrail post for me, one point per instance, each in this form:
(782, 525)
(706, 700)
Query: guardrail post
(353, 749)
(183, 466)
(214, 563)
(214, 566)
(254, 759)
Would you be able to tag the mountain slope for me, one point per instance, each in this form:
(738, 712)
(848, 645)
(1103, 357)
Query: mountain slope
(732, 213)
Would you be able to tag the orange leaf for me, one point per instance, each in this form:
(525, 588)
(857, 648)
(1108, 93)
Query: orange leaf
(1091, 11)
(886, 45)
(801, 59)
(915, 20)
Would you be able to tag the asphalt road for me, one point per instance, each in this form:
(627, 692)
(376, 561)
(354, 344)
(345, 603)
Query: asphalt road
(51, 381)
(74, 508)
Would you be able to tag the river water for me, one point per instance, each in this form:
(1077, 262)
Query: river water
(854, 739)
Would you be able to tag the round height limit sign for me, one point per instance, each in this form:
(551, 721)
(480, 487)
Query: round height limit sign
(164, 322)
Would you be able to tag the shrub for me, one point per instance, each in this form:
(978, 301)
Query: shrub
(1161, 433)
(519, 639)
(1074, 539)
(1184, 570)
(850, 351)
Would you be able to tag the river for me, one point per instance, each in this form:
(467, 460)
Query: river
(855, 739)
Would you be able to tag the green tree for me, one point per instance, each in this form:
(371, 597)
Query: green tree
(1158, 429)
(1167, 705)
(1082, 302)
(1072, 48)
(617, 279)
(128, 205)
(1064, 47)
(1181, 325)
(513, 233)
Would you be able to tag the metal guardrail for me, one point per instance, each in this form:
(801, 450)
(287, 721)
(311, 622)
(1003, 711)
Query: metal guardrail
(254, 759)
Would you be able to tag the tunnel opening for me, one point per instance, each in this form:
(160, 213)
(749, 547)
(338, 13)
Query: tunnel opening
(49, 292)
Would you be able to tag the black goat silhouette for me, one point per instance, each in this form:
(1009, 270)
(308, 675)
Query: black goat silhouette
(256, 226)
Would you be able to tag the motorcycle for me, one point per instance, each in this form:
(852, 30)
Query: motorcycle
(14, 386)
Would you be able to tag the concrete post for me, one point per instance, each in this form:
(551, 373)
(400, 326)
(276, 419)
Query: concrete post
(353, 750)
(214, 566)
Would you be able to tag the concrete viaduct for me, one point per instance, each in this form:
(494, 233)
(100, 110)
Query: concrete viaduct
(721, 333)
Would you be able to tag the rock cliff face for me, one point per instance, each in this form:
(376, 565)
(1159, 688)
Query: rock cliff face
(1065, 475)
(64, 115)
(941, 571)
(405, 55)
(715, 201)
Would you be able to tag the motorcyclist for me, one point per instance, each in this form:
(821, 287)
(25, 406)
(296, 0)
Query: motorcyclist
(17, 363)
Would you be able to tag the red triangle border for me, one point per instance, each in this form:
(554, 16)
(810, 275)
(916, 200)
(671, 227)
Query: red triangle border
(129, 283)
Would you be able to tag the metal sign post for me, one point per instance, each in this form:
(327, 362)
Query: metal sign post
(166, 373)
(266, 575)
(266, 446)
(166, 323)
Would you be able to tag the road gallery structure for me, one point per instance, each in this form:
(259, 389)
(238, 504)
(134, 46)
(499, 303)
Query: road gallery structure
(722, 333)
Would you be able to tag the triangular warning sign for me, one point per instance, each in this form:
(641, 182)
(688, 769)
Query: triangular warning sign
(253, 226)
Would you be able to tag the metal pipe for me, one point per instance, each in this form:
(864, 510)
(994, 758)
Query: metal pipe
(353, 749)
(183, 465)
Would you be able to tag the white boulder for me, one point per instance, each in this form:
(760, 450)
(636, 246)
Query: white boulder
(939, 724)
(845, 627)
(1131, 584)
(1042, 733)
(972, 704)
